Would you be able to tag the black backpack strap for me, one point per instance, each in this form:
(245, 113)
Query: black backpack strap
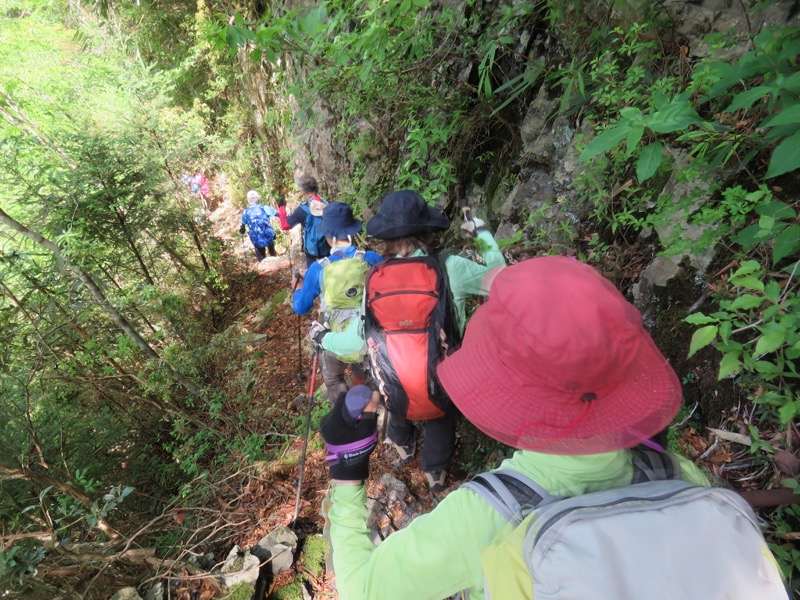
(649, 465)
(509, 492)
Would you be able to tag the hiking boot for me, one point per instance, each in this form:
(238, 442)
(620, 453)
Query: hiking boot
(435, 480)
(405, 453)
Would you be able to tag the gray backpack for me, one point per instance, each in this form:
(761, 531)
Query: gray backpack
(657, 539)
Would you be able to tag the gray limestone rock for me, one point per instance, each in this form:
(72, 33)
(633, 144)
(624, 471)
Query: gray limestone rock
(128, 593)
(277, 547)
(240, 567)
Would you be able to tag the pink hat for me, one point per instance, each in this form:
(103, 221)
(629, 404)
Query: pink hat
(557, 361)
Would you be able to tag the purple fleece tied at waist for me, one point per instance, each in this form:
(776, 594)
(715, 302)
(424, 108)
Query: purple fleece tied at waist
(352, 450)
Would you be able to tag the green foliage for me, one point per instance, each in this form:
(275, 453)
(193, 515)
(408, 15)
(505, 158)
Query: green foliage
(17, 562)
(372, 60)
(757, 329)
(787, 521)
(772, 107)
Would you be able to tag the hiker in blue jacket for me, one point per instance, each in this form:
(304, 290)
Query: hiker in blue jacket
(309, 216)
(338, 226)
(255, 219)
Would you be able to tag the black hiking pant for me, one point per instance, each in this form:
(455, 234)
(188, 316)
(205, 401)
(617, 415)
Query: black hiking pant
(439, 442)
(261, 253)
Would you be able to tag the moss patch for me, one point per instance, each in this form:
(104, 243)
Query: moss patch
(241, 591)
(292, 591)
(315, 550)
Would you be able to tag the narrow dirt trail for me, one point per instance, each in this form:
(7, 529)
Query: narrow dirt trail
(260, 307)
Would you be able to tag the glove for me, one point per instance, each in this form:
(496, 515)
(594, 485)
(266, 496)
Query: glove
(281, 200)
(242, 229)
(350, 433)
(297, 279)
(473, 226)
(317, 332)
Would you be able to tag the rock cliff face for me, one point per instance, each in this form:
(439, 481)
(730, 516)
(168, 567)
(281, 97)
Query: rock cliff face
(526, 188)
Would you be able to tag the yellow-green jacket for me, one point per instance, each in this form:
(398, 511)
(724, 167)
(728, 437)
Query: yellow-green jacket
(438, 554)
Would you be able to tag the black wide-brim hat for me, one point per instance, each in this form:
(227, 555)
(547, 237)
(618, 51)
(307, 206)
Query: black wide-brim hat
(338, 221)
(405, 213)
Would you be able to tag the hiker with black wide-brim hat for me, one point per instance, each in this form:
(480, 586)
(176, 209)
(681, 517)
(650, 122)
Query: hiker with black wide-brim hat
(557, 364)
(415, 315)
(339, 280)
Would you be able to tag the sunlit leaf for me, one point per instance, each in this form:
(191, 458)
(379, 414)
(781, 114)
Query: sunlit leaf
(769, 342)
(746, 302)
(700, 319)
(748, 282)
(702, 338)
(729, 365)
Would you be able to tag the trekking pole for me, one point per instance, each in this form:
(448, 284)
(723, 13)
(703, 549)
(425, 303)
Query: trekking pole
(299, 336)
(310, 402)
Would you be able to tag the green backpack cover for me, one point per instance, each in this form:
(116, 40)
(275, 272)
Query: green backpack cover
(342, 294)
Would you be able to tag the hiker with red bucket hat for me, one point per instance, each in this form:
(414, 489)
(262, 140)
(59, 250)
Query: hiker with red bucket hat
(558, 365)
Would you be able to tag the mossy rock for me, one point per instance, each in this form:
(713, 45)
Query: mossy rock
(241, 591)
(291, 591)
(315, 550)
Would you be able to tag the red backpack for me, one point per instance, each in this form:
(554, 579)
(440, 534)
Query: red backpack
(410, 327)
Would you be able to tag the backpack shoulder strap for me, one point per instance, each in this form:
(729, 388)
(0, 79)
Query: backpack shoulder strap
(649, 465)
(508, 492)
(324, 262)
(360, 255)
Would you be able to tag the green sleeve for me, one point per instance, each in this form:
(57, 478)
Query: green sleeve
(691, 472)
(468, 278)
(348, 342)
(435, 556)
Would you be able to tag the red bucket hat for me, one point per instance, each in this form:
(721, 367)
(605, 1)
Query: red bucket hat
(557, 361)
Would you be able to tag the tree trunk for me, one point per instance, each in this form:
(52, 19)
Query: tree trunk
(129, 238)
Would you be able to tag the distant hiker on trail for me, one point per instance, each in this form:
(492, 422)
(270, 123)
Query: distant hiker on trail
(339, 279)
(256, 219)
(200, 186)
(415, 315)
(308, 215)
(557, 364)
